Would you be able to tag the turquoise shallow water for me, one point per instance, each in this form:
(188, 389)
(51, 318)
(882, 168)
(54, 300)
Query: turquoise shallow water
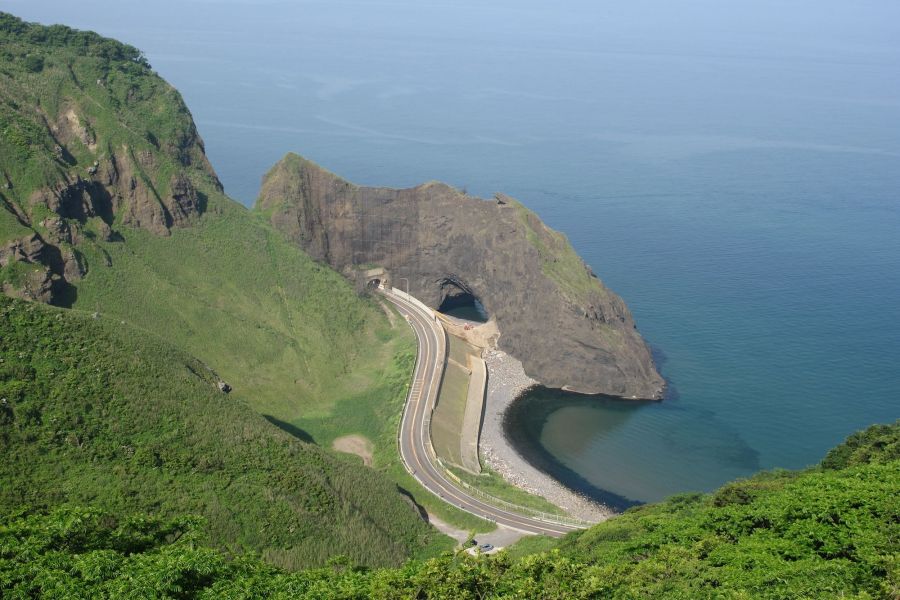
(774, 309)
(731, 169)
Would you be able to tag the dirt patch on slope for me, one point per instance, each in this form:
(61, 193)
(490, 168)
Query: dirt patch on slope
(356, 444)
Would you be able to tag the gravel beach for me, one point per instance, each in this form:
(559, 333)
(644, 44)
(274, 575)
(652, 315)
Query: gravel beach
(506, 380)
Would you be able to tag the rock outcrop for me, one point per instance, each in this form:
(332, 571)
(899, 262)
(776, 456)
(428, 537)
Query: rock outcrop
(34, 269)
(99, 158)
(553, 313)
(114, 191)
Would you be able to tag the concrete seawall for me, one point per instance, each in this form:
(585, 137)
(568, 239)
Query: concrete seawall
(471, 430)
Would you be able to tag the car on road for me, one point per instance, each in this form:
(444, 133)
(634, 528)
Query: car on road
(486, 547)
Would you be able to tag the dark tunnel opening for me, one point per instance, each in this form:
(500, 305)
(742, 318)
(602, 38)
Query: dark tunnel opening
(461, 303)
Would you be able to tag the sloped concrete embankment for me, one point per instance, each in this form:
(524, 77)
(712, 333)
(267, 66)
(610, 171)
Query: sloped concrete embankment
(471, 429)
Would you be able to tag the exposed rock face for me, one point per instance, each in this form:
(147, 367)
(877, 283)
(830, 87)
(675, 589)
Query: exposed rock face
(116, 189)
(92, 167)
(120, 183)
(29, 249)
(553, 313)
(41, 268)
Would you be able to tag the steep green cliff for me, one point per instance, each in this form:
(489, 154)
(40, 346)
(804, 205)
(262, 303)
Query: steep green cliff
(92, 141)
(146, 240)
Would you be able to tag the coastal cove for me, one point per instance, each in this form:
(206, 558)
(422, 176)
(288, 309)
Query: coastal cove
(353, 392)
(620, 453)
(752, 231)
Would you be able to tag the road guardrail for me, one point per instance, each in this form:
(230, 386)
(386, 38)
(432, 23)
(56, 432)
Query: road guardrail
(511, 507)
(463, 486)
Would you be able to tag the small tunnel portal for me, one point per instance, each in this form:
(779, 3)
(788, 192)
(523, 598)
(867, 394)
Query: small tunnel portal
(459, 301)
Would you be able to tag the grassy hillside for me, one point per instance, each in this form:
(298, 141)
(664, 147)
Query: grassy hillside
(94, 412)
(105, 193)
(75, 105)
(291, 336)
(829, 532)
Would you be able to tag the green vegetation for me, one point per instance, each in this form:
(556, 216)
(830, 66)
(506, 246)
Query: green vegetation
(289, 335)
(777, 535)
(93, 412)
(879, 444)
(292, 337)
(294, 340)
(559, 260)
(69, 97)
(16, 273)
(492, 483)
(822, 533)
(532, 544)
(10, 227)
(375, 413)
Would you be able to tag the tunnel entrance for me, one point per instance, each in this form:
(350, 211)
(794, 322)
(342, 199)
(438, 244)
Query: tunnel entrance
(373, 283)
(459, 301)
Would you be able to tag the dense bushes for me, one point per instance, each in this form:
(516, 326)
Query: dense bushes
(879, 444)
(59, 36)
(96, 413)
(811, 534)
(823, 533)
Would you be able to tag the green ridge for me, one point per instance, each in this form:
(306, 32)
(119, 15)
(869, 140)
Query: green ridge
(559, 260)
(822, 533)
(294, 340)
(118, 100)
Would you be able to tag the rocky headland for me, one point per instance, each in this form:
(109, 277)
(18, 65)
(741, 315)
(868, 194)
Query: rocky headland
(553, 313)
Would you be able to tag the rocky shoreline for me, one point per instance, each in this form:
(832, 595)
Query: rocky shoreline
(506, 381)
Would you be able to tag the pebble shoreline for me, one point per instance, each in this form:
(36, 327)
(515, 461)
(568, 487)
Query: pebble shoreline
(506, 381)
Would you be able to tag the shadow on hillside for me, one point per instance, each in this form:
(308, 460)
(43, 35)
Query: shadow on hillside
(290, 429)
(64, 294)
(423, 514)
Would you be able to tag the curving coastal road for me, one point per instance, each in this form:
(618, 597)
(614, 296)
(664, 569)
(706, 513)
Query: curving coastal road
(415, 442)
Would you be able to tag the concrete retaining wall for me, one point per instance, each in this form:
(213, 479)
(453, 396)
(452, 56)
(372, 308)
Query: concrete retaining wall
(471, 429)
(413, 300)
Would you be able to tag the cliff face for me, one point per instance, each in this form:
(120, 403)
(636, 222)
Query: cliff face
(553, 313)
(91, 142)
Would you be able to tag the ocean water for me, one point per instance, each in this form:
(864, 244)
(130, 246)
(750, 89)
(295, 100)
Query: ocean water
(731, 169)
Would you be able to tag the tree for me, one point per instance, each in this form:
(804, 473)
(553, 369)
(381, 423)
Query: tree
(34, 63)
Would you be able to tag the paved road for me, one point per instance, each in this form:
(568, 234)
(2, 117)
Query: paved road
(414, 428)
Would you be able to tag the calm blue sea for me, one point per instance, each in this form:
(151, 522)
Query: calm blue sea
(731, 169)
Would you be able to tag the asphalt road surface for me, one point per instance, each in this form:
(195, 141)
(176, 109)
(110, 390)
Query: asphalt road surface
(414, 428)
